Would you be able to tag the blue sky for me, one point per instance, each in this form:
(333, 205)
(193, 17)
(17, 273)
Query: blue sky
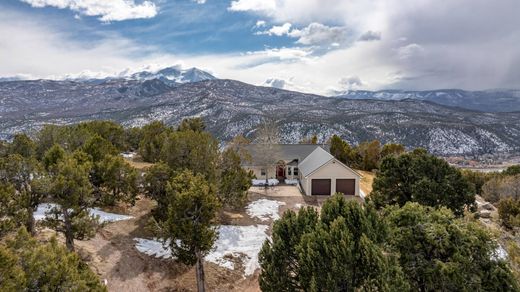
(319, 46)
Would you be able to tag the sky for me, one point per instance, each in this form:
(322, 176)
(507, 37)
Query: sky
(318, 46)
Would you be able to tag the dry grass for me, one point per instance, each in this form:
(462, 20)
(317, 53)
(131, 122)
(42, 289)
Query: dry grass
(366, 181)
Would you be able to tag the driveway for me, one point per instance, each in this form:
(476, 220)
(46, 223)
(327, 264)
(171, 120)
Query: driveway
(276, 191)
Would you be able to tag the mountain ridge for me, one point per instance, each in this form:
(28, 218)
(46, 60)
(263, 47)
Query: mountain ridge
(231, 107)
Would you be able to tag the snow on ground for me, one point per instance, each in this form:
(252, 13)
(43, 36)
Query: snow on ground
(362, 194)
(39, 214)
(232, 240)
(261, 182)
(128, 154)
(264, 209)
(153, 248)
(500, 253)
(291, 181)
(298, 205)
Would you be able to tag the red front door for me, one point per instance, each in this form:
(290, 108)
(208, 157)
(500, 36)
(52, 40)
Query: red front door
(280, 172)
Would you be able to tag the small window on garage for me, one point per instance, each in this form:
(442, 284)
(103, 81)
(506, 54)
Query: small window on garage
(296, 171)
(262, 171)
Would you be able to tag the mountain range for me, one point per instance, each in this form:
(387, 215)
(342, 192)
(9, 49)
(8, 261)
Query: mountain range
(230, 108)
(504, 100)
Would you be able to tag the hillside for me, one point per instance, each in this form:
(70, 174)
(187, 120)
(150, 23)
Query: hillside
(231, 108)
(488, 100)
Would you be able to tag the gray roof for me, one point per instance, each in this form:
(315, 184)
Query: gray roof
(286, 152)
(317, 158)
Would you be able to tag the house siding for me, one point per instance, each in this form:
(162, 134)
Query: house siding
(333, 170)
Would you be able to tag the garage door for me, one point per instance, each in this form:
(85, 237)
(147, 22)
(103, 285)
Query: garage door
(346, 186)
(320, 187)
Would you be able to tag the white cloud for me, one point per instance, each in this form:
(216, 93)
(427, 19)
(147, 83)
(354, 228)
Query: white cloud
(313, 34)
(199, 1)
(107, 10)
(319, 34)
(252, 5)
(370, 36)
(278, 30)
(409, 51)
(260, 23)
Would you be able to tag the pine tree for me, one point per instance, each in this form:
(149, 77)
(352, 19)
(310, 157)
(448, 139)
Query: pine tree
(341, 250)
(155, 181)
(72, 193)
(8, 209)
(189, 226)
(23, 145)
(31, 183)
(196, 151)
(27, 265)
(53, 156)
(118, 180)
(234, 180)
(439, 252)
(193, 124)
(153, 135)
(423, 178)
(98, 147)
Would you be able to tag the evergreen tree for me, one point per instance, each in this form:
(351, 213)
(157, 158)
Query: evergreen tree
(196, 151)
(512, 170)
(108, 130)
(153, 135)
(98, 147)
(26, 175)
(509, 212)
(8, 209)
(22, 145)
(423, 178)
(371, 155)
(192, 124)
(118, 180)
(342, 250)
(27, 265)
(155, 181)
(392, 149)
(441, 253)
(189, 227)
(72, 193)
(51, 158)
(235, 181)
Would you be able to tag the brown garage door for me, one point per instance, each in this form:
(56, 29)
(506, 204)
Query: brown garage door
(320, 187)
(346, 186)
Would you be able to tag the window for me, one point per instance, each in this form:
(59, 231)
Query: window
(289, 170)
(295, 171)
(262, 171)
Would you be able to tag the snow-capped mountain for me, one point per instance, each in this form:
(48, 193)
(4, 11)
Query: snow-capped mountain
(230, 108)
(173, 75)
(488, 100)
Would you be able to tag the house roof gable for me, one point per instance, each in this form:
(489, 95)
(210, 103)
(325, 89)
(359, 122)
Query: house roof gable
(317, 159)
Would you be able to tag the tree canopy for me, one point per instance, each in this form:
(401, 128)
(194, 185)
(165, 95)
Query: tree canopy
(340, 250)
(420, 177)
(439, 252)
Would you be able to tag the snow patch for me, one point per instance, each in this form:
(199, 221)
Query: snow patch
(233, 241)
(291, 181)
(128, 155)
(362, 194)
(104, 217)
(261, 182)
(264, 209)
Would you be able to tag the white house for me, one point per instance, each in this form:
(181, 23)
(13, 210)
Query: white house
(318, 172)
